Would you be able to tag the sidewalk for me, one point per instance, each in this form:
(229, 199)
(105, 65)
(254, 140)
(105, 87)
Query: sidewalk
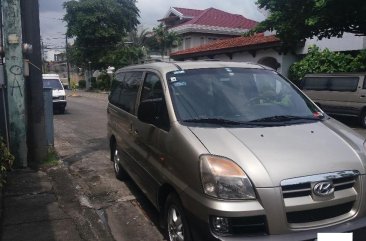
(45, 206)
(31, 210)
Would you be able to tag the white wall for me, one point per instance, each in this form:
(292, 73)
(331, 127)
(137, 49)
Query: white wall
(348, 42)
(284, 60)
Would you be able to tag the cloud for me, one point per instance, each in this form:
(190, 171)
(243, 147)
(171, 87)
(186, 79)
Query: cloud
(51, 5)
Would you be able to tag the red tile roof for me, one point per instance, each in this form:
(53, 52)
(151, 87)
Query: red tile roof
(232, 43)
(217, 18)
(187, 12)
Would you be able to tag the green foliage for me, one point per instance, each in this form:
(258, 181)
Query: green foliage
(6, 161)
(98, 26)
(74, 85)
(296, 20)
(124, 56)
(93, 83)
(52, 158)
(326, 61)
(164, 39)
(82, 84)
(104, 81)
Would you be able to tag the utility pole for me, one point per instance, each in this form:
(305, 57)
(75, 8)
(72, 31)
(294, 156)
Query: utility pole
(67, 62)
(37, 144)
(14, 68)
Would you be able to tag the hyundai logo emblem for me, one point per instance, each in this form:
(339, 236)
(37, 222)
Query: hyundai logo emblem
(323, 189)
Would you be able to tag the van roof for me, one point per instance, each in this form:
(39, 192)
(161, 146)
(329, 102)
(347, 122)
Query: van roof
(165, 67)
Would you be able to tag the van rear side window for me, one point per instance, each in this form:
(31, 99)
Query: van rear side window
(315, 83)
(331, 83)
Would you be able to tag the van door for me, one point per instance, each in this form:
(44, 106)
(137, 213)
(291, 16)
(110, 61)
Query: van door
(149, 135)
(343, 95)
(125, 116)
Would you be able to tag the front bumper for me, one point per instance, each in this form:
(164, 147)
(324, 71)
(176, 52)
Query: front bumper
(271, 204)
(59, 104)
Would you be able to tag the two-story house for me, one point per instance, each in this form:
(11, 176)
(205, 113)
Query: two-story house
(198, 27)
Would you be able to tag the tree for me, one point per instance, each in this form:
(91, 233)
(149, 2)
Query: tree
(326, 61)
(296, 20)
(98, 26)
(165, 39)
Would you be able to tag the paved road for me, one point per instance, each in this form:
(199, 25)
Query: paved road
(81, 141)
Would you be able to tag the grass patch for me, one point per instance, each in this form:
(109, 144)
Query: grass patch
(52, 158)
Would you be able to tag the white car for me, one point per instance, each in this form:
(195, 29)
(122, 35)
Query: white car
(58, 92)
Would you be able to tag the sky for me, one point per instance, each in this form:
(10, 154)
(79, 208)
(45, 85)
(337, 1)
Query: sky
(53, 28)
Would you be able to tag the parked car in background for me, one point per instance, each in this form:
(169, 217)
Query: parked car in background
(338, 94)
(58, 92)
(233, 151)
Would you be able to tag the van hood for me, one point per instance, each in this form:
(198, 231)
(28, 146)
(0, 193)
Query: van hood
(271, 154)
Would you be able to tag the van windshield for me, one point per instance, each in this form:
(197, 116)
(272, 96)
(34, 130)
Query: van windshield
(52, 83)
(238, 96)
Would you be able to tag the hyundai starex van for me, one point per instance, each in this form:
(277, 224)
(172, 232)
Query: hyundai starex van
(234, 151)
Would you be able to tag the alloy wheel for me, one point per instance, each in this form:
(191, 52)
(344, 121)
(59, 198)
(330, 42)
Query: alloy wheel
(175, 225)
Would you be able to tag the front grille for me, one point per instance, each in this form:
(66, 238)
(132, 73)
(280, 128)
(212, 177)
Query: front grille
(319, 214)
(256, 225)
(299, 197)
(304, 189)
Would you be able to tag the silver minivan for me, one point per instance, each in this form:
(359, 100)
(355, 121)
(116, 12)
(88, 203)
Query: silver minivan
(233, 151)
(338, 94)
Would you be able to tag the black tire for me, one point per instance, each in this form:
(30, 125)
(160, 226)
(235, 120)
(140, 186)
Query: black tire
(175, 221)
(118, 169)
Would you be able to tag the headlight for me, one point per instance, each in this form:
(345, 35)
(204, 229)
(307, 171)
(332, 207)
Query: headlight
(223, 178)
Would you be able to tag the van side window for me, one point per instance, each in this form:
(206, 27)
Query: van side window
(153, 95)
(116, 89)
(315, 83)
(124, 90)
(129, 89)
(343, 83)
(364, 82)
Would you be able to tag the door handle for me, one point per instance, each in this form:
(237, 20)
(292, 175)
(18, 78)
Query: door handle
(363, 96)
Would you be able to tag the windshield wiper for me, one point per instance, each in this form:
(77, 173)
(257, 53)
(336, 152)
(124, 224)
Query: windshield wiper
(282, 118)
(218, 121)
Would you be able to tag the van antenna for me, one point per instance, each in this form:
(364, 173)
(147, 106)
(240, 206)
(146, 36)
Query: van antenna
(178, 67)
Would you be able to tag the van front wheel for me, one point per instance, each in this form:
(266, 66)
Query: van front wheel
(175, 221)
(118, 169)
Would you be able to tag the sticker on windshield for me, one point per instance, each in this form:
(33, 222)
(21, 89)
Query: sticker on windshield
(173, 79)
(228, 70)
(180, 72)
(179, 84)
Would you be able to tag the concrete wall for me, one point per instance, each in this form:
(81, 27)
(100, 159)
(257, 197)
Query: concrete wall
(285, 61)
(195, 40)
(349, 42)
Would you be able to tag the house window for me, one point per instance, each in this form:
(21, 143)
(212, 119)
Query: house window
(202, 40)
(188, 43)
(210, 39)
